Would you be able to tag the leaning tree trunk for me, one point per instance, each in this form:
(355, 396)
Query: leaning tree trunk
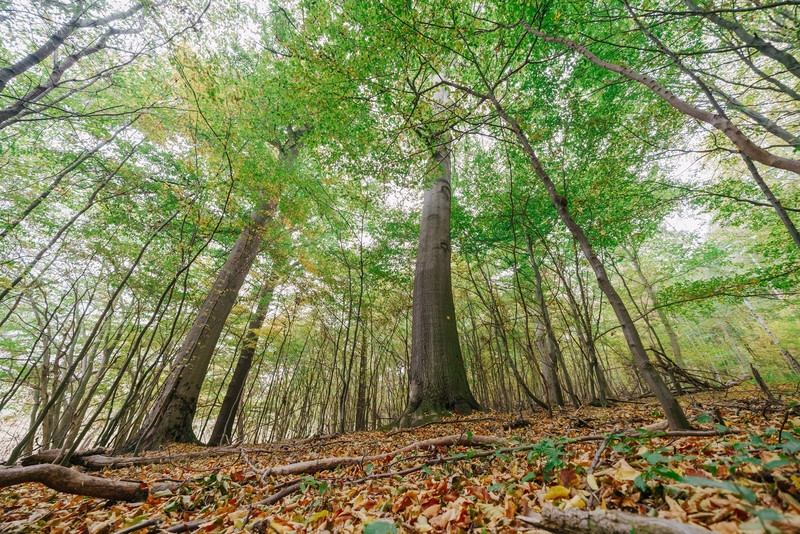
(437, 377)
(171, 417)
(233, 395)
(672, 409)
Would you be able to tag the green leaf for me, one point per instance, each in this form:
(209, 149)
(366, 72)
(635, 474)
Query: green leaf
(380, 527)
(768, 514)
(777, 463)
(318, 515)
(791, 447)
(745, 493)
(655, 458)
(527, 478)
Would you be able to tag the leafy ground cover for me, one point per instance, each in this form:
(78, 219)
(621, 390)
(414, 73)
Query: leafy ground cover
(740, 473)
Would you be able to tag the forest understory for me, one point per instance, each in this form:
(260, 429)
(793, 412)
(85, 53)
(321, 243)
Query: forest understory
(739, 470)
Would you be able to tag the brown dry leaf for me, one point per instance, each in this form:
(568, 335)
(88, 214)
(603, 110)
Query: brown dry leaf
(623, 472)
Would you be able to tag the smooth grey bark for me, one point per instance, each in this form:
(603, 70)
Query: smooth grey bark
(437, 377)
(747, 155)
(551, 349)
(787, 356)
(765, 122)
(750, 39)
(171, 417)
(223, 427)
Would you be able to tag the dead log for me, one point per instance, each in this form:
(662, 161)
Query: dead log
(52, 456)
(68, 480)
(579, 521)
(100, 461)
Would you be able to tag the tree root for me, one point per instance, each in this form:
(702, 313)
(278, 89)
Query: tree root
(600, 521)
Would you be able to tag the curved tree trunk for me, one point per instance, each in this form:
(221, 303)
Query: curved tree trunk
(438, 379)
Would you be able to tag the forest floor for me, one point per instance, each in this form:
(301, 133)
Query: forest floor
(744, 478)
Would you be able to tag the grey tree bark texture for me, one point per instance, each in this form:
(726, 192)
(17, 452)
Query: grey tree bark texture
(173, 412)
(171, 416)
(438, 379)
(223, 427)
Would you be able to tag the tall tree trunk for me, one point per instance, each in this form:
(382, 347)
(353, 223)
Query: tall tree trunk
(233, 395)
(171, 417)
(551, 350)
(361, 395)
(731, 342)
(438, 379)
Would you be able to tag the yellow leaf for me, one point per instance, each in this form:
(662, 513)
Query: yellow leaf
(592, 482)
(576, 502)
(556, 492)
(319, 515)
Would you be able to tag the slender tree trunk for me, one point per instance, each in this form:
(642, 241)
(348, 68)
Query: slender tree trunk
(672, 409)
(552, 349)
(230, 403)
(787, 356)
(731, 342)
(673, 338)
(438, 380)
(361, 396)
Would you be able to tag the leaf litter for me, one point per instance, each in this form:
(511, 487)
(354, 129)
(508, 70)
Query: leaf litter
(744, 478)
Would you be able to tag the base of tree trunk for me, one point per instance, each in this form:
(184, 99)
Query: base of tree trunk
(579, 521)
(426, 412)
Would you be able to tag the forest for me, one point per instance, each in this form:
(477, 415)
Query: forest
(391, 266)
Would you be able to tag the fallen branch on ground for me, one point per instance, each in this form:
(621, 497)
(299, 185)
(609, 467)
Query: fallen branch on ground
(415, 428)
(576, 520)
(324, 464)
(53, 456)
(96, 459)
(68, 480)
